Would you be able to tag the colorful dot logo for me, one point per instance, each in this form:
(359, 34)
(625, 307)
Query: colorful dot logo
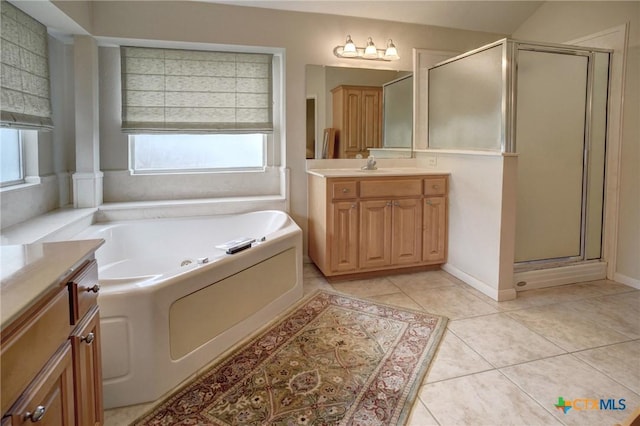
(563, 405)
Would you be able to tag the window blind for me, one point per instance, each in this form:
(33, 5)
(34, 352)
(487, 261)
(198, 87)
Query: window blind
(190, 91)
(24, 81)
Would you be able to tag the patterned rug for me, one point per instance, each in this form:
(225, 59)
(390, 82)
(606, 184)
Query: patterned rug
(332, 360)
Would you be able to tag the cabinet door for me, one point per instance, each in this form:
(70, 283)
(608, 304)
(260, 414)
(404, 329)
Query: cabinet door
(48, 400)
(406, 236)
(87, 365)
(352, 132)
(375, 233)
(435, 230)
(371, 120)
(344, 236)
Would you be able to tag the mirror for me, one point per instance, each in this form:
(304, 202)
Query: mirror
(321, 80)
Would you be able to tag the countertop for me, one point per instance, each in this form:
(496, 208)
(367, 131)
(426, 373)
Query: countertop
(380, 172)
(30, 271)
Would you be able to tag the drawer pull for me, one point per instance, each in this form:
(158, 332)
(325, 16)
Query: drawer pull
(95, 288)
(37, 414)
(88, 339)
(435, 187)
(345, 190)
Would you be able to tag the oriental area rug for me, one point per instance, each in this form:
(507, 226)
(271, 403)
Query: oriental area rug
(331, 360)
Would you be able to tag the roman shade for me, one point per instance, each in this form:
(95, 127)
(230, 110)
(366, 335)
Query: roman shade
(192, 91)
(24, 83)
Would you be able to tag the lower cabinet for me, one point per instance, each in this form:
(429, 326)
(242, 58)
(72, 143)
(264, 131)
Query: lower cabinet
(371, 224)
(434, 243)
(51, 359)
(390, 232)
(344, 238)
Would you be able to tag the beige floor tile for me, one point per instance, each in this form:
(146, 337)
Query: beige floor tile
(421, 281)
(571, 330)
(125, 415)
(310, 270)
(619, 312)
(397, 299)
(420, 416)
(367, 287)
(452, 302)
(454, 359)
(611, 287)
(566, 376)
(621, 362)
(502, 341)
(487, 398)
(313, 284)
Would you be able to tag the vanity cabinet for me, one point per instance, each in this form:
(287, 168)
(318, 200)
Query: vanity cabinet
(357, 118)
(376, 223)
(50, 356)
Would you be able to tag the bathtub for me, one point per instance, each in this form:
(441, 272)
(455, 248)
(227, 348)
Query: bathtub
(171, 301)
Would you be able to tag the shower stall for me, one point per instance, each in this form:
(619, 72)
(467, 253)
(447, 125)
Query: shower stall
(547, 104)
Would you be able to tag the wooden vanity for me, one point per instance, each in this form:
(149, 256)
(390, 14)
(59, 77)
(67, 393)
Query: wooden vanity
(50, 350)
(361, 222)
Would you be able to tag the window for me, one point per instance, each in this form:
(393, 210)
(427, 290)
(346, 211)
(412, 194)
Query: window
(154, 153)
(11, 160)
(194, 110)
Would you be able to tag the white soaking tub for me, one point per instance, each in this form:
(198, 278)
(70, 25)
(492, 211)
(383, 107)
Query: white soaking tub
(171, 301)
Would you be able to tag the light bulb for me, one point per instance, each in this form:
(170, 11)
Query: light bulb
(391, 54)
(349, 50)
(370, 52)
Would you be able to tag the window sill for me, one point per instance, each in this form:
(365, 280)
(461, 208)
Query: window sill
(29, 181)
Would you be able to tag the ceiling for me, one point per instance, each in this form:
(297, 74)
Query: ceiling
(491, 16)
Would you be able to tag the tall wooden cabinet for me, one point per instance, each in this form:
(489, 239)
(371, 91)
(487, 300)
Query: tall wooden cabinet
(363, 224)
(357, 118)
(50, 355)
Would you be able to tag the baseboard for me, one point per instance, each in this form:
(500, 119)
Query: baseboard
(623, 279)
(561, 275)
(494, 293)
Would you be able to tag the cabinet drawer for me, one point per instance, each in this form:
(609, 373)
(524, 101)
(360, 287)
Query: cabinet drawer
(84, 289)
(390, 188)
(435, 186)
(344, 190)
(26, 351)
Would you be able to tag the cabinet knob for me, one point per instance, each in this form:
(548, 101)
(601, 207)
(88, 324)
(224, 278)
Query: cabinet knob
(94, 289)
(435, 187)
(389, 203)
(353, 206)
(395, 203)
(429, 202)
(37, 414)
(88, 339)
(345, 190)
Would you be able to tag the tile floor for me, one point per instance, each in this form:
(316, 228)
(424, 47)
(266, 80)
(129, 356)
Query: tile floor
(506, 363)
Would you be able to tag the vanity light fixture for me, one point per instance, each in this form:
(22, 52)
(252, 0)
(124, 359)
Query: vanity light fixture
(350, 50)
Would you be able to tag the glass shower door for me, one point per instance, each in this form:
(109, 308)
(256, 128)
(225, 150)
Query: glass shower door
(560, 167)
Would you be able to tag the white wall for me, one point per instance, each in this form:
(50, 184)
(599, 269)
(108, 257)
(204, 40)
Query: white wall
(307, 39)
(560, 22)
(481, 218)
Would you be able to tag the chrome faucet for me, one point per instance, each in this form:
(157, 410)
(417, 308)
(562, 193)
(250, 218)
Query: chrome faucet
(371, 164)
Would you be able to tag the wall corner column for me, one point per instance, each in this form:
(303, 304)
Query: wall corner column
(88, 179)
